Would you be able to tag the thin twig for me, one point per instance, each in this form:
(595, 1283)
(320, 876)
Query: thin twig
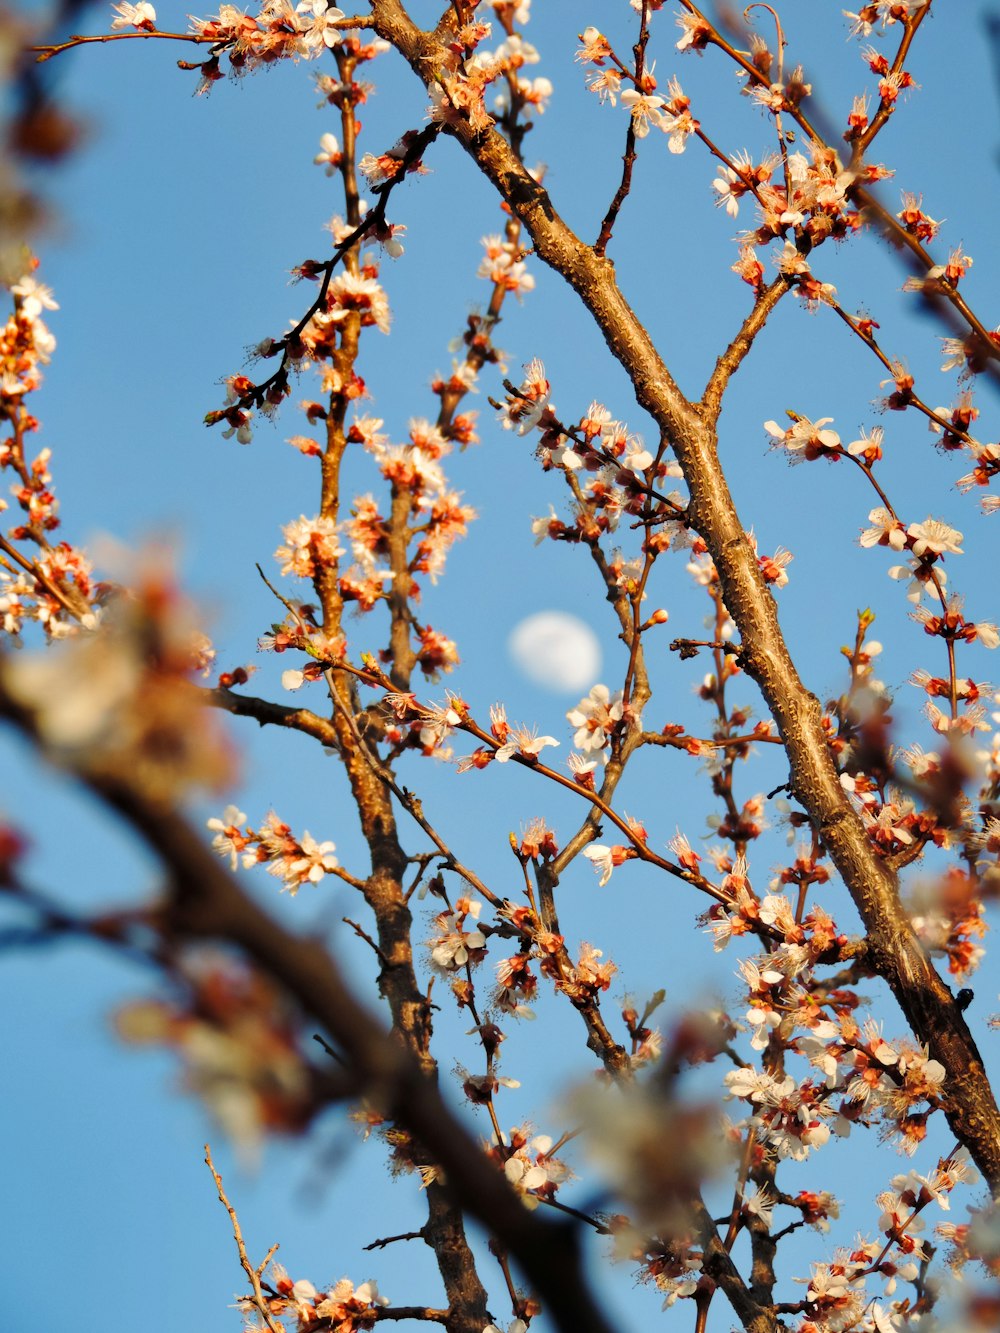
(254, 1274)
(363, 934)
(383, 1241)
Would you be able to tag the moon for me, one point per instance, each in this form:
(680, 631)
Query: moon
(557, 651)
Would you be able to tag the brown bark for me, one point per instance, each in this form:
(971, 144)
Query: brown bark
(896, 954)
(411, 1018)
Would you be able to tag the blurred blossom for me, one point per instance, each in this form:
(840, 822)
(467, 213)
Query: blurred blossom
(652, 1149)
(118, 701)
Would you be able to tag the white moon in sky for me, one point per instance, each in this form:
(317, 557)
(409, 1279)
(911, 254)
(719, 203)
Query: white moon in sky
(557, 651)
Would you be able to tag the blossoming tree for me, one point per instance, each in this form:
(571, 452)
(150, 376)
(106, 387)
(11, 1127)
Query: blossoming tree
(692, 1144)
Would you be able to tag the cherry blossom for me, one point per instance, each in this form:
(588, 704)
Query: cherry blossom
(322, 30)
(33, 296)
(596, 718)
(531, 1170)
(676, 120)
(886, 530)
(695, 32)
(805, 439)
(605, 859)
(455, 945)
(313, 861)
(329, 155)
(595, 48)
(933, 538)
(310, 545)
(644, 109)
(606, 83)
(347, 294)
(228, 840)
(141, 16)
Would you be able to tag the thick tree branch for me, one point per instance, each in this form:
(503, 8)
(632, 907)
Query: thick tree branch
(895, 952)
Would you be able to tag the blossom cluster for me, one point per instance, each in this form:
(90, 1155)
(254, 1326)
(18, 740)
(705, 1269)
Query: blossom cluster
(296, 861)
(280, 31)
(49, 584)
(118, 700)
(813, 198)
(341, 1307)
(459, 94)
(899, 823)
(609, 469)
(239, 1046)
(530, 1166)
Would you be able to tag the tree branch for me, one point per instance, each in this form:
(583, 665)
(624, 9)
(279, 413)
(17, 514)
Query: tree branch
(895, 951)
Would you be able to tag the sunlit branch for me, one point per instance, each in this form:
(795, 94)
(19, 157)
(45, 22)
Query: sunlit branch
(925, 999)
(47, 52)
(911, 24)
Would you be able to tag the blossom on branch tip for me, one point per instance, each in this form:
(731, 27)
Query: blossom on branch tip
(33, 296)
(595, 48)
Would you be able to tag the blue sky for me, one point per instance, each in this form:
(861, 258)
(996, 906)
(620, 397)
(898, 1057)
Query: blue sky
(173, 233)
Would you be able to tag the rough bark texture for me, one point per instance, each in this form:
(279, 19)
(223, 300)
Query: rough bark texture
(444, 1231)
